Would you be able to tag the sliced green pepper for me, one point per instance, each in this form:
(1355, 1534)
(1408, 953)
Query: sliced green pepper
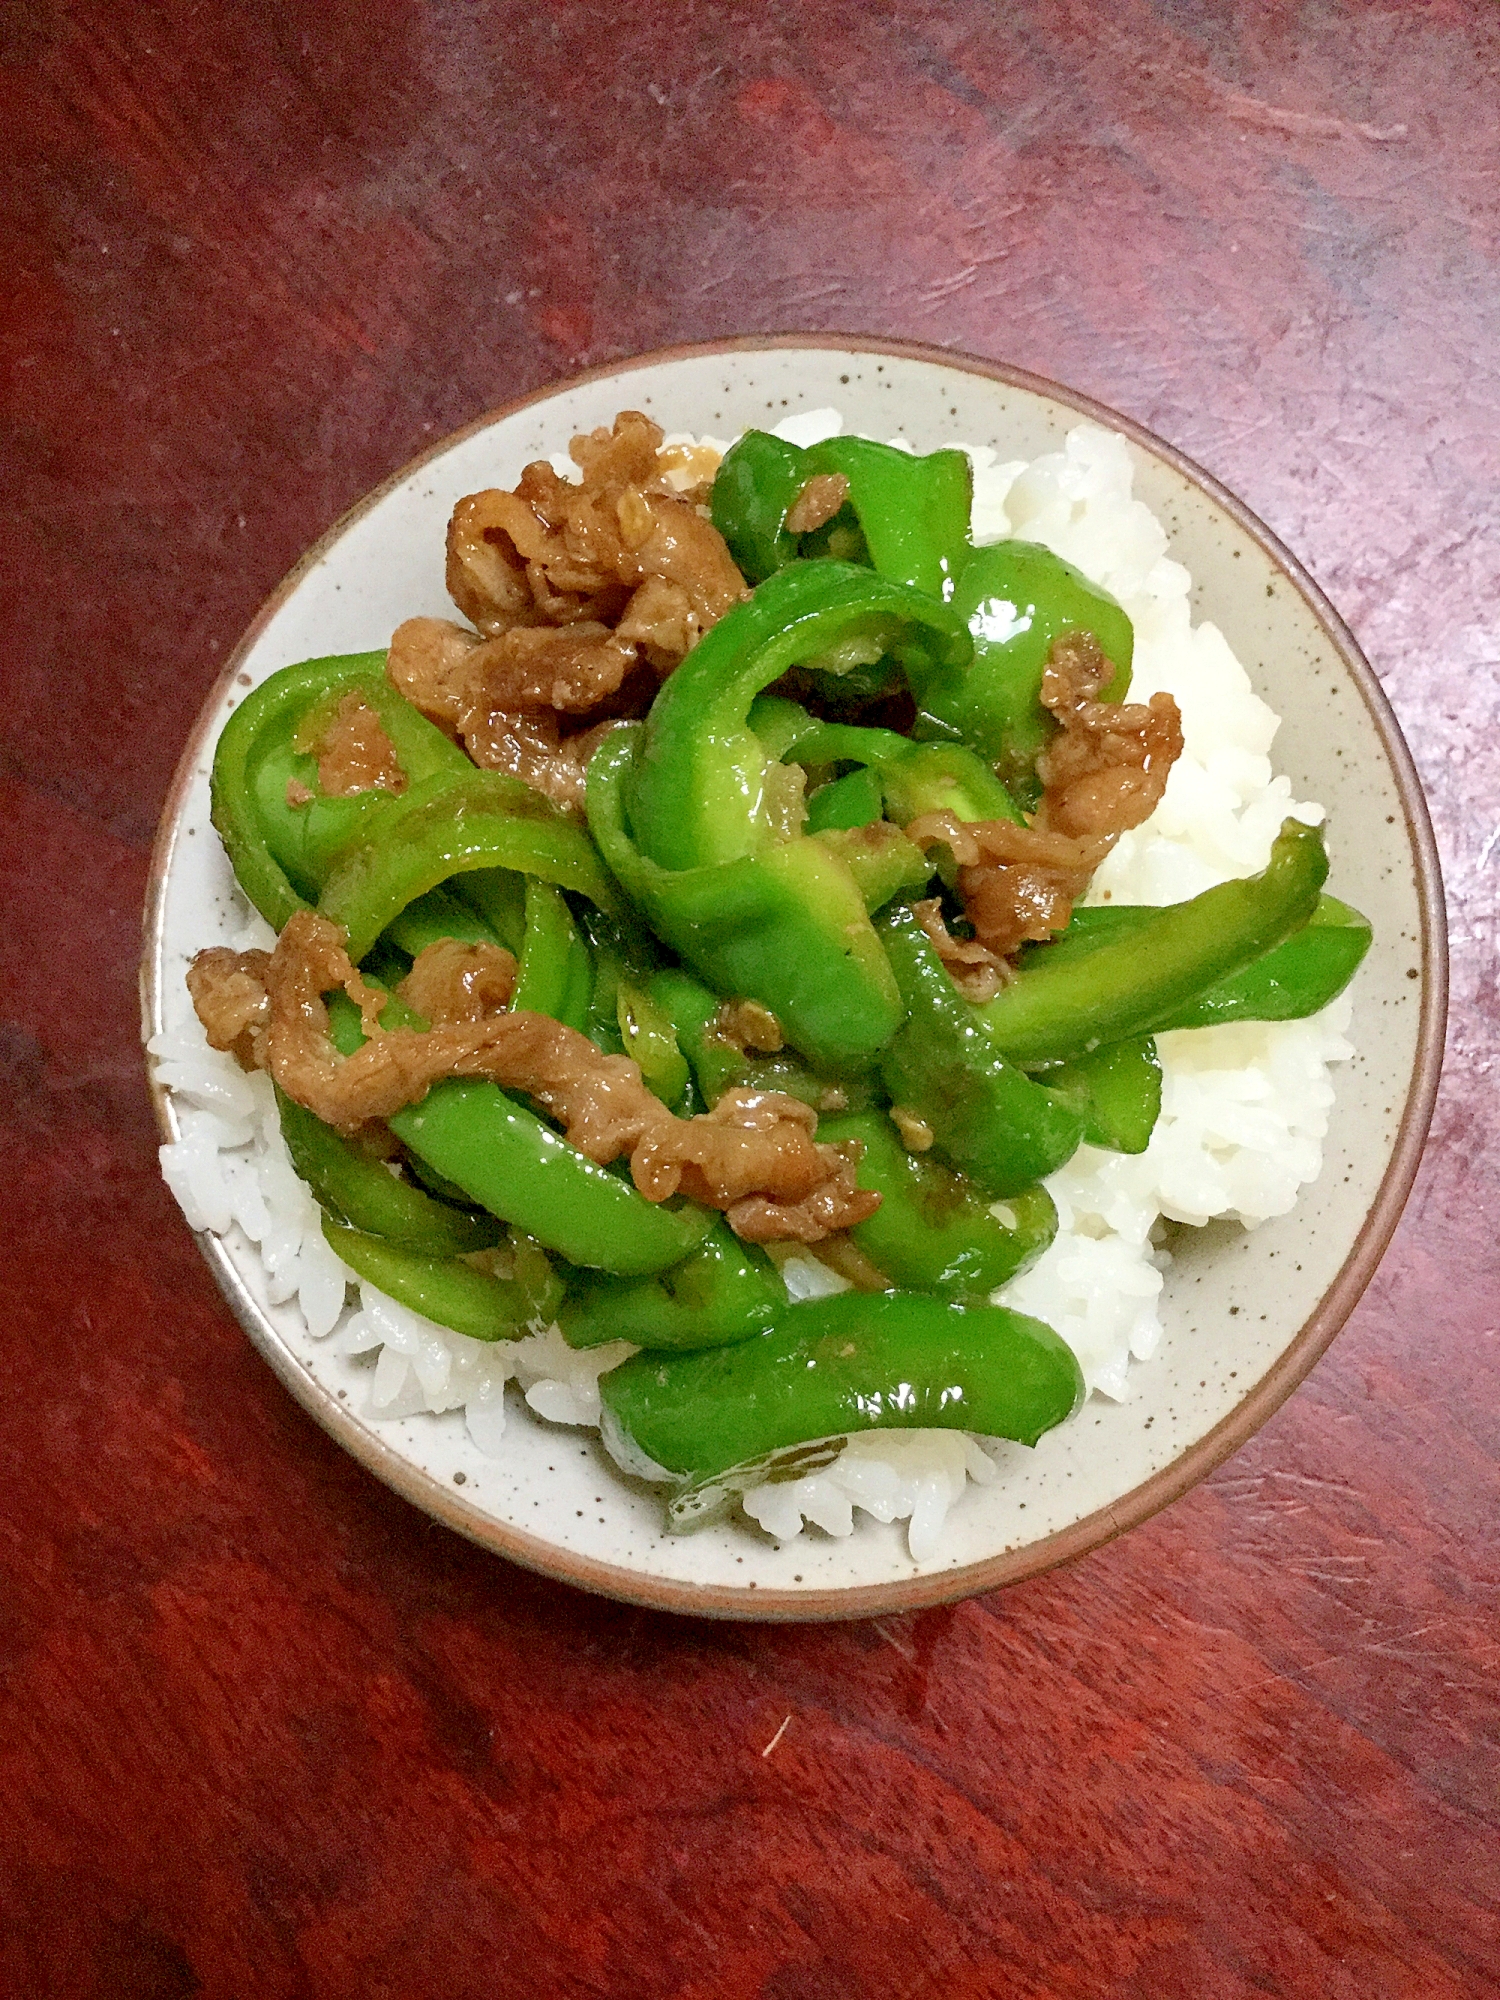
(789, 733)
(1139, 979)
(1294, 979)
(718, 1065)
(990, 1119)
(1120, 1085)
(433, 918)
(787, 927)
(271, 845)
(366, 1195)
(754, 490)
(446, 827)
(851, 801)
(944, 777)
(933, 1230)
(724, 1291)
(649, 1037)
(830, 1367)
(555, 975)
(912, 510)
(452, 1293)
(498, 896)
(678, 813)
(507, 1160)
(883, 862)
(1017, 599)
(695, 795)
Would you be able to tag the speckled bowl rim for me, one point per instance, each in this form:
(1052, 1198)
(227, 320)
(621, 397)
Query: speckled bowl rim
(1092, 1530)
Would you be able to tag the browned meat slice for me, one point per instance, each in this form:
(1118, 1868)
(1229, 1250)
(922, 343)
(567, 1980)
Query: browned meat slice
(817, 503)
(660, 619)
(452, 983)
(582, 596)
(228, 990)
(1106, 769)
(353, 751)
(754, 1147)
(1017, 882)
(1104, 772)
(529, 744)
(558, 553)
(973, 967)
(486, 574)
(835, 1206)
(746, 1024)
(453, 677)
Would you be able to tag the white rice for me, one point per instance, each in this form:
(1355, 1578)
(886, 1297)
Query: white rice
(1244, 1107)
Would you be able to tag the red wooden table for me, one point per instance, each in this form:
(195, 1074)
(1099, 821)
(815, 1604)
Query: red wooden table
(265, 1731)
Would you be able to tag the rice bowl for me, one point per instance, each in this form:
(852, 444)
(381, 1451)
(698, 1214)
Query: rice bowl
(1245, 1116)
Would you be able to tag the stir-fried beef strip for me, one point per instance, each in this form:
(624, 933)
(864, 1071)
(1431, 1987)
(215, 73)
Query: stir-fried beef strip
(451, 983)
(753, 1155)
(1017, 882)
(228, 991)
(354, 753)
(457, 680)
(1104, 772)
(581, 596)
(746, 1024)
(556, 552)
(973, 967)
(817, 503)
(1106, 769)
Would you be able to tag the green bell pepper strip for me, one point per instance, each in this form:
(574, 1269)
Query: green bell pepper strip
(479, 820)
(913, 510)
(695, 793)
(883, 862)
(454, 1294)
(849, 802)
(649, 1038)
(944, 777)
(988, 1117)
(507, 1160)
(364, 1194)
(692, 1008)
(1120, 1088)
(753, 492)
(264, 837)
(1135, 982)
(724, 1291)
(913, 777)
(933, 1230)
(718, 1065)
(555, 975)
(434, 918)
(1296, 978)
(498, 896)
(789, 733)
(787, 927)
(1017, 599)
(624, 954)
(829, 1368)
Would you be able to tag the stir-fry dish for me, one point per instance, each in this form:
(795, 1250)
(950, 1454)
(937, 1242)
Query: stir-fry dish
(712, 898)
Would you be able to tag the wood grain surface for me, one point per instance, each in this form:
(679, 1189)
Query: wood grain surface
(264, 1732)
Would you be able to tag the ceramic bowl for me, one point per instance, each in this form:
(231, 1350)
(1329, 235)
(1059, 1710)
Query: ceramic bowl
(1246, 1314)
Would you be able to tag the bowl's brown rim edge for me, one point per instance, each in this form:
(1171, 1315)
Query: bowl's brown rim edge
(1093, 1530)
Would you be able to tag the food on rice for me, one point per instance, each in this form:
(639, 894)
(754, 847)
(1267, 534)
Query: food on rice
(587, 596)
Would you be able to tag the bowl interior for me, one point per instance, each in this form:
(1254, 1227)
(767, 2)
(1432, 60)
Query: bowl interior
(1245, 1313)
